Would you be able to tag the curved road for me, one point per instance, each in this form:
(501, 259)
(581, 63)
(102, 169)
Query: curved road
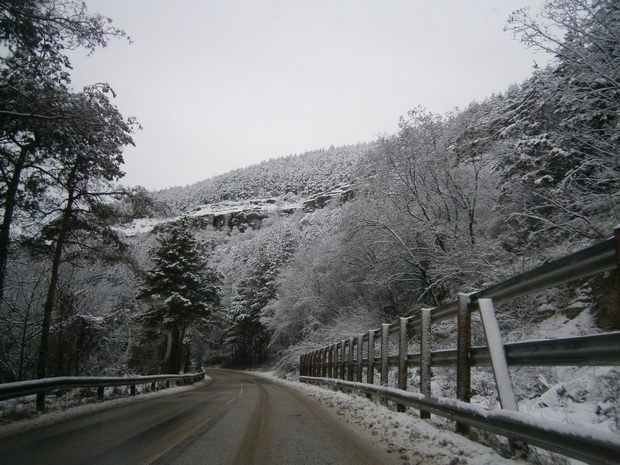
(236, 419)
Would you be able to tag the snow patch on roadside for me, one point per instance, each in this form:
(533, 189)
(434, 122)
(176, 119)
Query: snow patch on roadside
(416, 441)
(64, 409)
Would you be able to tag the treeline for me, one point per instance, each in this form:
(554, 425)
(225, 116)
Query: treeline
(456, 202)
(449, 203)
(292, 176)
(60, 156)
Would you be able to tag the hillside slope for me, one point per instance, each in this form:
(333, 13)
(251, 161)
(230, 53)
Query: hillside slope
(294, 176)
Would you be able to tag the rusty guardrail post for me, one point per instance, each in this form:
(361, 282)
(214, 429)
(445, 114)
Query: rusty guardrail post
(617, 241)
(343, 374)
(370, 373)
(350, 363)
(343, 362)
(336, 360)
(313, 366)
(330, 361)
(360, 356)
(317, 358)
(40, 402)
(313, 363)
(425, 357)
(463, 348)
(335, 347)
(337, 350)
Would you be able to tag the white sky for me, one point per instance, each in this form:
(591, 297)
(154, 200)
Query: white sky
(223, 84)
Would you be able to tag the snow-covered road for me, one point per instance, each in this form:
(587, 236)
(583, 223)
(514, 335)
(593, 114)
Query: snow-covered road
(239, 418)
(402, 435)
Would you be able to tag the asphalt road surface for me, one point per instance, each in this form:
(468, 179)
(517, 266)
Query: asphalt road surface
(236, 419)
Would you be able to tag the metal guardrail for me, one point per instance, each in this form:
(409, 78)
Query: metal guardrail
(572, 441)
(45, 385)
(346, 360)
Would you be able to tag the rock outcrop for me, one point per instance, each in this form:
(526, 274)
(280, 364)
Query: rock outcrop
(244, 214)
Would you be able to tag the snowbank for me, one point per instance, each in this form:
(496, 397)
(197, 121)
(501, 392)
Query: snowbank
(63, 408)
(416, 441)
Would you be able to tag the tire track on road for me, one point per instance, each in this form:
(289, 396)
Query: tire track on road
(257, 439)
(192, 427)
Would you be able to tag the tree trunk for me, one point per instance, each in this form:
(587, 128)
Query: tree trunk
(9, 208)
(174, 339)
(51, 290)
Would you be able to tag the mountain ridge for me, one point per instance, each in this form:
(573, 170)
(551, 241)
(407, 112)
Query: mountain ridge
(291, 177)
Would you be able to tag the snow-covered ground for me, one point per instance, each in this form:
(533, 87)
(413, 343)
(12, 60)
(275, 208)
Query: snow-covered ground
(587, 397)
(584, 396)
(416, 441)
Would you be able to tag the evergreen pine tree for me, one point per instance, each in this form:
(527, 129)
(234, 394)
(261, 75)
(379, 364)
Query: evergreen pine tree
(186, 290)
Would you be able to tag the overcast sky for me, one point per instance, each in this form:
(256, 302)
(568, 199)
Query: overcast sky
(223, 84)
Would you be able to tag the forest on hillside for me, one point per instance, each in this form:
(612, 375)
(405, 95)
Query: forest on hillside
(450, 203)
(293, 176)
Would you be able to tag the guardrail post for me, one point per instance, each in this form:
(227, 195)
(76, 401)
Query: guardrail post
(330, 361)
(402, 359)
(100, 391)
(343, 363)
(337, 349)
(343, 360)
(350, 363)
(360, 354)
(385, 353)
(370, 373)
(503, 382)
(41, 402)
(617, 240)
(317, 363)
(463, 353)
(343, 374)
(132, 390)
(425, 357)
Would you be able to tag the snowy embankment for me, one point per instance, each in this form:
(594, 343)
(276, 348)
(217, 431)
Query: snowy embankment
(587, 397)
(70, 406)
(416, 441)
(584, 397)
